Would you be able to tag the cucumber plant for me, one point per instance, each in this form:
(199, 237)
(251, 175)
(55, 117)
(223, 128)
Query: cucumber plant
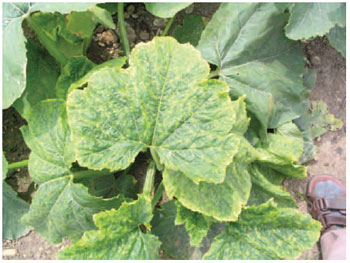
(218, 143)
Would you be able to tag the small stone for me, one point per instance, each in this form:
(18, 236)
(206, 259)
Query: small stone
(130, 9)
(189, 9)
(316, 60)
(101, 44)
(134, 16)
(126, 15)
(144, 35)
(11, 252)
(159, 22)
(109, 37)
(318, 139)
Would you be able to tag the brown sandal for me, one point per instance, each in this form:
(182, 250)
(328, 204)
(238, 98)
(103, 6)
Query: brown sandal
(327, 201)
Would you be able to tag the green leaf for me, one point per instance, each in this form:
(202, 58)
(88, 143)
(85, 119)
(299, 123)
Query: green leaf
(337, 38)
(42, 73)
(248, 45)
(196, 224)
(83, 24)
(60, 208)
(175, 239)
(12, 210)
(14, 50)
(222, 201)
(190, 31)
(156, 103)
(107, 186)
(75, 69)
(308, 20)
(165, 10)
(283, 151)
(4, 166)
(119, 236)
(266, 183)
(266, 232)
(52, 32)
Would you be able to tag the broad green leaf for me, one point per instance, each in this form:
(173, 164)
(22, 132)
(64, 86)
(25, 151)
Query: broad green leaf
(155, 104)
(42, 73)
(13, 208)
(112, 8)
(175, 239)
(195, 223)
(241, 124)
(266, 184)
(107, 186)
(83, 23)
(266, 232)
(222, 201)
(165, 10)
(308, 20)
(337, 38)
(190, 31)
(60, 208)
(4, 166)
(14, 50)
(119, 235)
(75, 69)
(246, 41)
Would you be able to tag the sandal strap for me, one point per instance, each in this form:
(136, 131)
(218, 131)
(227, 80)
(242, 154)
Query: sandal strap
(323, 209)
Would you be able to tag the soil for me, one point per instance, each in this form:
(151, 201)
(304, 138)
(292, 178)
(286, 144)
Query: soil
(141, 27)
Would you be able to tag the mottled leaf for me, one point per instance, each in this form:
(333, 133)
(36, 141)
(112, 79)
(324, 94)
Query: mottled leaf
(13, 208)
(155, 104)
(337, 38)
(165, 10)
(246, 41)
(119, 235)
(42, 73)
(283, 151)
(308, 20)
(266, 232)
(266, 184)
(196, 224)
(60, 208)
(222, 201)
(190, 31)
(14, 50)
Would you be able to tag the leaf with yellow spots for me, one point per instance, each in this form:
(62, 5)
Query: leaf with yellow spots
(156, 104)
(119, 235)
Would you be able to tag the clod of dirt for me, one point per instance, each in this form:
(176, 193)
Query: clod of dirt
(144, 35)
(109, 37)
(159, 22)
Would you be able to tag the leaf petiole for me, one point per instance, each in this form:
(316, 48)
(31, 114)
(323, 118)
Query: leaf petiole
(19, 164)
(149, 182)
(122, 30)
(167, 27)
(158, 194)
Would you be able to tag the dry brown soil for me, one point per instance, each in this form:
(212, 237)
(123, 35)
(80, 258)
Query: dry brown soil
(330, 159)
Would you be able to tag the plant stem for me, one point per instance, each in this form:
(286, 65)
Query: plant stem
(19, 164)
(47, 42)
(121, 25)
(167, 27)
(149, 182)
(158, 194)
